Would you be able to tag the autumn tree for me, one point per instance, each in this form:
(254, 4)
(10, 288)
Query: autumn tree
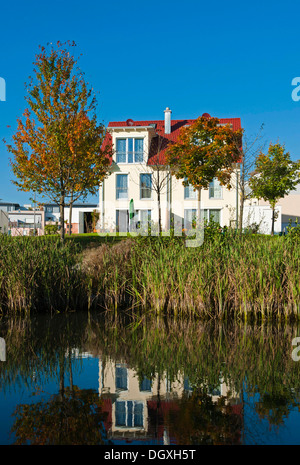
(205, 150)
(275, 175)
(57, 147)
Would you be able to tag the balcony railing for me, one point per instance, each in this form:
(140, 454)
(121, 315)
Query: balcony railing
(18, 225)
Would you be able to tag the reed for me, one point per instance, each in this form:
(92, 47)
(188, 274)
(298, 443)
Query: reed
(245, 277)
(39, 275)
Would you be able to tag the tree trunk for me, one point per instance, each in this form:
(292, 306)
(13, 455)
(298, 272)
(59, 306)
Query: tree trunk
(62, 218)
(242, 200)
(273, 220)
(158, 203)
(199, 208)
(70, 215)
(159, 213)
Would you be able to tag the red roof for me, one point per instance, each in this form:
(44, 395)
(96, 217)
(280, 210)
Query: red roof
(160, 144)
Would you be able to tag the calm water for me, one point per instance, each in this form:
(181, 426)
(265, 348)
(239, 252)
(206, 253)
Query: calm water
(79, 379)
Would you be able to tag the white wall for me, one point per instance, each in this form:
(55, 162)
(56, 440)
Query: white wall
(262, 215)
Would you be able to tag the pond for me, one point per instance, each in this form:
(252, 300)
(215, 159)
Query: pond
(89, 379)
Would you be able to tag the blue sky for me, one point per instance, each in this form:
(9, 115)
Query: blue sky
(230, 59)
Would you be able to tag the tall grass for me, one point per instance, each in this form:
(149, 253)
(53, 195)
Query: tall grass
(39, 274)
(248, 277)
(245, 277)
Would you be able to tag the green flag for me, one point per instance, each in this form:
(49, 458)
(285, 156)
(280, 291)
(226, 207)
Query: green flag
(131, 209)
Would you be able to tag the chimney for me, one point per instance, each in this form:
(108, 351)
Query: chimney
(167, 120)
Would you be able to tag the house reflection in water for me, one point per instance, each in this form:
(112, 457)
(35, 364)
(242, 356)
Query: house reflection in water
(138, 410)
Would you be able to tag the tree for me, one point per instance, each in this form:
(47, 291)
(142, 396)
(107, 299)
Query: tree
(205, 150)
(274, 177)
(201, 420)
(58, 148)
(159, 171)
(248, 150)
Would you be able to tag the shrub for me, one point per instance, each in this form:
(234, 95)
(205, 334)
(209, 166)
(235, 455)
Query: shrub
(51, 229)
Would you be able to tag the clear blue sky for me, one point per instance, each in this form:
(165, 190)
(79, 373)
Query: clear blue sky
(230, 59)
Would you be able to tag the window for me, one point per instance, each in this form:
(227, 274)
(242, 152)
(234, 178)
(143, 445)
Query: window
(129, 150)
(49, 209)
(214, 390)
(122, 221)
(145, 186)
(145, 385)
(190, 216)
(143, 221)
(215, 189)
(189, 192)
(122, 186)
(213, 215)
(186, 385)
(121, 377)
(129, 413)
(145, 218)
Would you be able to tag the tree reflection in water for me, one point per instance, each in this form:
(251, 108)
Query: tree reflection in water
(254, 362)
(73, 416)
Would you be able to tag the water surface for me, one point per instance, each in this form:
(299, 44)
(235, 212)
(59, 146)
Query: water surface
(84, 379)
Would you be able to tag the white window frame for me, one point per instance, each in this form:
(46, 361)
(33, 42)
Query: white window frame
(145, 198)
(133, 152)
(209, 209)
(212, 188)
(134, 403)
(190, 187)
(122, 366)
(123, 198)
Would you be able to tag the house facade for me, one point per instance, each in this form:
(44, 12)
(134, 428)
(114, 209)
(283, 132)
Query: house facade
(138, 407)
(128, 198)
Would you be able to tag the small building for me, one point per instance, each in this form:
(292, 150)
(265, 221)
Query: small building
(82, 216)
(9, 206)
(26, 222)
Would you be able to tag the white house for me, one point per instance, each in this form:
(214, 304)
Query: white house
(26, 222)
(139, 150)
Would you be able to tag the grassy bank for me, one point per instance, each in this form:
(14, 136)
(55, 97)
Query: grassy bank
(245, 277)
(248, 277)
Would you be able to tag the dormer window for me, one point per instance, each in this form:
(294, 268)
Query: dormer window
(129, 150)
